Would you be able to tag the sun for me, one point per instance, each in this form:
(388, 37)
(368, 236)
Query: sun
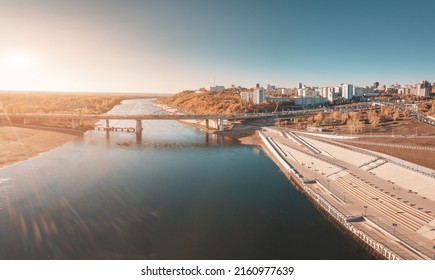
(20, 60)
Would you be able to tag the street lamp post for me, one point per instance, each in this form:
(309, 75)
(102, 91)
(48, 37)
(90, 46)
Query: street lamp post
(328, 183)
(394, 229)
(365, 210)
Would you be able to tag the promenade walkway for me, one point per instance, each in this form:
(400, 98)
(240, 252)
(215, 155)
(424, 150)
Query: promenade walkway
(408, 179)
(411, 177)
(360, 183)
(392, 145)
(339, 153)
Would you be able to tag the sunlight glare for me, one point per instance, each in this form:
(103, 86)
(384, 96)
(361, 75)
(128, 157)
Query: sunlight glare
(20, 60)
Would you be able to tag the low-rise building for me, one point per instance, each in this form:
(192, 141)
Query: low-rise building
(289, 91)
(217, 88)
(358, 91)
(405, 89)
(304, 101)
(307, 92)
(382, 87)
(270, 87)
(244, 95)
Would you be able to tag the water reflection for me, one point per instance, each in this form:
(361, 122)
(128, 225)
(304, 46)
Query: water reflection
(131, 139)
(176, 194)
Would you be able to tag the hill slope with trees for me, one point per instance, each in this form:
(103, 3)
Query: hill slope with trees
(215, 102)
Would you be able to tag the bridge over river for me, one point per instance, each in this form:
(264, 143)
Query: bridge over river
(217, 118)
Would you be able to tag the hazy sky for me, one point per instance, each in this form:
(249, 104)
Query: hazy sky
(171, 45)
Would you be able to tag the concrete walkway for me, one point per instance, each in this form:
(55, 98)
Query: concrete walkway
(357, 184)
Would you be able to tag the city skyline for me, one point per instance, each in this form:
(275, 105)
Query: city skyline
(169, 46)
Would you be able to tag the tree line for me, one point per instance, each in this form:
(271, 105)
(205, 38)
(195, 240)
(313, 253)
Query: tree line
(48, 103)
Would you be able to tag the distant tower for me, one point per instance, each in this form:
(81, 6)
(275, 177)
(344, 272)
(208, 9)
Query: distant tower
(257, 86)
(300, 85)
(376, 84)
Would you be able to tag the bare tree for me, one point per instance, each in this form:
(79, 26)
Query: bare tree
(375, 121)
(356, 116)
(344, 117)
(396, 115)
(385, 111)
(373, 118)
(336, 116)
(310, 120)
(319, 118)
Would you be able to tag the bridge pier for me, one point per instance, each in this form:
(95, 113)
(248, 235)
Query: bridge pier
(207, 123)
(139, 127)
(221, 125)
(139, 131)
(107, 125)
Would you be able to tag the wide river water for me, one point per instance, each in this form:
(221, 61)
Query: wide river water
(177, 193)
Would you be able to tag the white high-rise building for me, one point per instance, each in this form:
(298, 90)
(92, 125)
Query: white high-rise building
(423, 88)
(324, 91)
(347, 91)
(258, 96)
(332, 94)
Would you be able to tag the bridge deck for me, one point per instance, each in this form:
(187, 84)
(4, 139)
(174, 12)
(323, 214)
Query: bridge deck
(153, 116)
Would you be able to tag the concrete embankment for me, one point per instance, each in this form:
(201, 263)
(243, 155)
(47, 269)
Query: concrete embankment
(340, 218)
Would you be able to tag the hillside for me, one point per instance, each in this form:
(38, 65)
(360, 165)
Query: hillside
(209, 102)
(214, 102)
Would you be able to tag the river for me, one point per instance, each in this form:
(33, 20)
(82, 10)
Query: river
(176, 193)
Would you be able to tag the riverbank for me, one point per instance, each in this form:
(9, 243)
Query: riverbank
(18, 143)
(245, 134)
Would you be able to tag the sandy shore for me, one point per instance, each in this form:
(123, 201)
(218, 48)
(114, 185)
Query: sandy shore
(18, 144)
(246, 136)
